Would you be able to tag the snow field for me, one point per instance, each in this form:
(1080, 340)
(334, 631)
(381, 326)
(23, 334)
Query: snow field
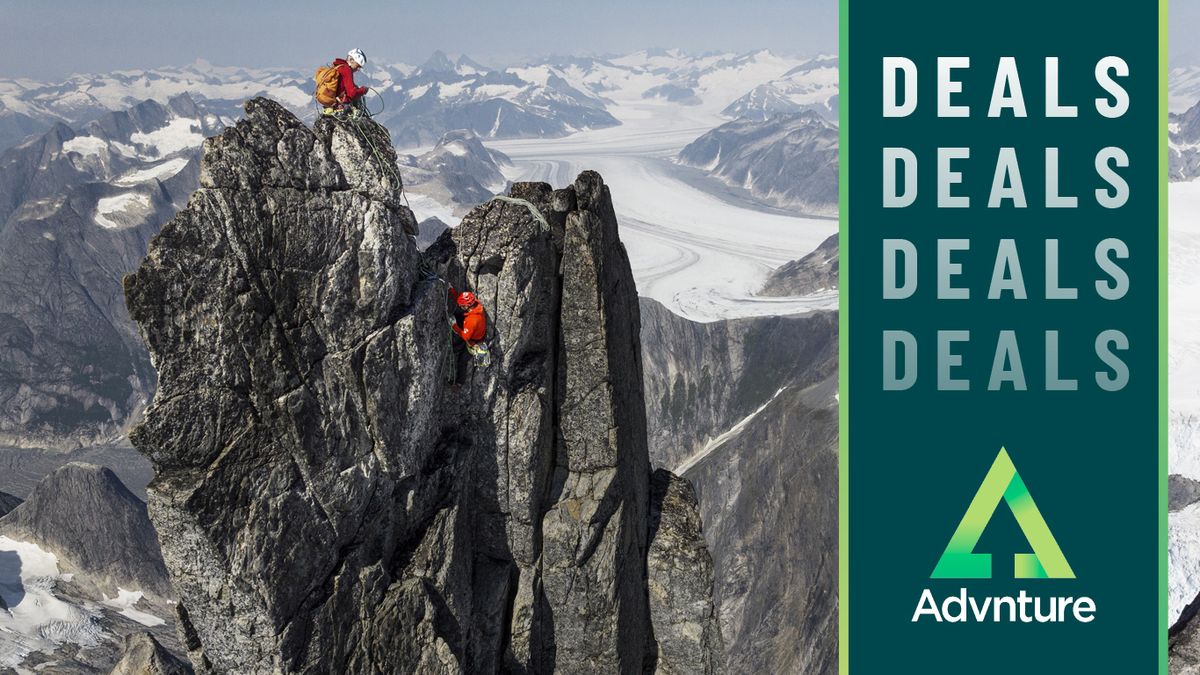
(36, 619)
(110, 210)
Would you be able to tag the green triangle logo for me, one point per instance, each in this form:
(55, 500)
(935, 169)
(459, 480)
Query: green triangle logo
(959, 561)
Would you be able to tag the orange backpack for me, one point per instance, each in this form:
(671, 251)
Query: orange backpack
(327, 78)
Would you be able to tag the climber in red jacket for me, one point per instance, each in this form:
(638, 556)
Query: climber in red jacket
(473, 330)
(349, 93)
(336, 91)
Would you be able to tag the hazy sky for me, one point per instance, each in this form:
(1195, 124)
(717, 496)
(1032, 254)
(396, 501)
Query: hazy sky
(55, 38)
(50, 39)
(1183, 27)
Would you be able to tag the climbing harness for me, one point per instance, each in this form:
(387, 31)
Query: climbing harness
(481, 354)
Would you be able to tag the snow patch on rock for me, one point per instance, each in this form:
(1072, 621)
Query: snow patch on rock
(111, 212)
(124, 604)
(161, 171)
(180, 134)
(88, 146)
(36, 618)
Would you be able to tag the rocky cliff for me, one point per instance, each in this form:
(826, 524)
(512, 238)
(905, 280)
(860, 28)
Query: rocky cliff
(8, 503)
(703, 378)
(814, 272)
(787, 159)
(769, 493)
(142, 655)
(337, 491)
(80, 570)
(745, 410)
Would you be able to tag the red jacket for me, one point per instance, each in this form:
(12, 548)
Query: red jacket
(347, 90)
(474, 326)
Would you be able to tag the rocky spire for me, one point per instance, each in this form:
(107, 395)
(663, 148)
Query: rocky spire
(330, 497)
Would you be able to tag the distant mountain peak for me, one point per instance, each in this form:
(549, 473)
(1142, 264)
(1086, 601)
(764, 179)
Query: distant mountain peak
(438, 62)
(787, 159)
(143, 655)
(465, 61)
(84, 514)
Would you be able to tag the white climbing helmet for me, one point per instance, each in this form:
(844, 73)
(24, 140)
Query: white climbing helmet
(357, 56)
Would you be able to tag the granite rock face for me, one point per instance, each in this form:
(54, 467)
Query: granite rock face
(338, 489)
(745, 410)
(142, 655)
(685, 618)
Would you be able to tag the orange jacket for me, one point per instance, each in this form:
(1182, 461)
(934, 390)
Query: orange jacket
(474, 326)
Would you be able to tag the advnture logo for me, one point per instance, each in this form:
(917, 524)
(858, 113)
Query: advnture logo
(960, 561)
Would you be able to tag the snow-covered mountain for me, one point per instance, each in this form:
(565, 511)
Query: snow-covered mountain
(27, 106)
(80, 569)
(447, 181)
(442, 95)
(712, 80)
(812, 85)
(557, 96)
(461, 154)
(1183, 358)
(549, 97)
(788, 159)
(1183, 87)
(1184, 142)
(76, 212)
(713, 77)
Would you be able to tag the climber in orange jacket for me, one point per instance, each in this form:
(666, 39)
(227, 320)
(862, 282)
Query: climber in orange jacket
(473, 330)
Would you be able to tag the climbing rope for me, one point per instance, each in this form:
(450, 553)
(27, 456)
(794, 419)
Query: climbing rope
(533, 211)
(382, 106)
(451, 362)
(350, 119)
(352, 122)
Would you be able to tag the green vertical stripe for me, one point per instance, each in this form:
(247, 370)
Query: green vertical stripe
(843, 332)
(1162, 338)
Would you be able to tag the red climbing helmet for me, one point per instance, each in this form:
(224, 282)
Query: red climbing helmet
(466, 300)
